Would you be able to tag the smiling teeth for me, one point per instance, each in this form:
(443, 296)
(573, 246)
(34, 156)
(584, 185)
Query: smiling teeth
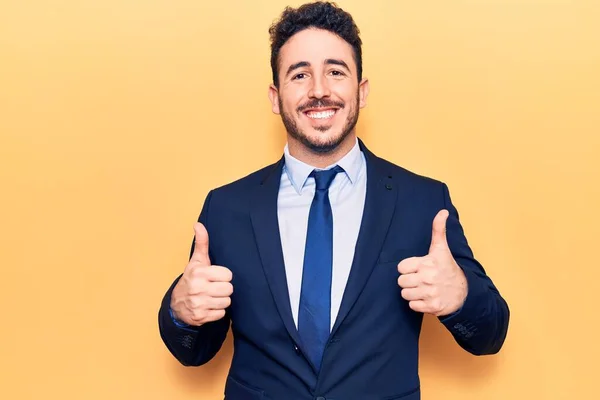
(322, 114)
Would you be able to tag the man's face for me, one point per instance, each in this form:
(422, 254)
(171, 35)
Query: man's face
(319, 95)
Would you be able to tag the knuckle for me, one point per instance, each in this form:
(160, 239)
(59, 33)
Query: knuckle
(191, 276)
(428, 279)
(198, 317)
(202, 303)
(199, 302)
(428, 261)
(199, 285)
(188, 269)
(433, 275)
(198, 271)
(192, 266)
(433, 293)
(186, 280)
(192, 303)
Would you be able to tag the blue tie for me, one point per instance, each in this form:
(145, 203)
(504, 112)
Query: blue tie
(314, 315)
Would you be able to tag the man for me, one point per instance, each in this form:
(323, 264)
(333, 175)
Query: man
(325, 262)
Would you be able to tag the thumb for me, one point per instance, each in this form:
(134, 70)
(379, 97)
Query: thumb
(438, 233)
(200, 254)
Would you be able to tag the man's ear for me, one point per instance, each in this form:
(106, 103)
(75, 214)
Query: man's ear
(363, 92)
(274, 97)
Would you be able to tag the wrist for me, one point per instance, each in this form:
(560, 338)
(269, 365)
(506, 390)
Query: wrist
(176, 320)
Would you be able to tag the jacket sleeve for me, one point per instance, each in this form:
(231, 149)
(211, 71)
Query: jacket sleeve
(192, 345)
(480, 326)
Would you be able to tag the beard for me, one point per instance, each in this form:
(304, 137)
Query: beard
(311, 143)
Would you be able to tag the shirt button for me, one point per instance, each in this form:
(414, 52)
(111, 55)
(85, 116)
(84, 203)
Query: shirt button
(320, 398)
(296, 349)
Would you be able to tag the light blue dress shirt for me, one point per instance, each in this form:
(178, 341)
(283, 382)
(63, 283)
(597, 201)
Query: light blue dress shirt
(347, 197)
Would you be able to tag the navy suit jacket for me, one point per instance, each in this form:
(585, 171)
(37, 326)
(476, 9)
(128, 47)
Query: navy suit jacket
(372, 352)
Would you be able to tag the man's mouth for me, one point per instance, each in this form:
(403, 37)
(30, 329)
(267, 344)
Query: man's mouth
(320, 114)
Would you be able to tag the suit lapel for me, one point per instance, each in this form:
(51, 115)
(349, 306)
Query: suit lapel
(266, 230)
(379, 208)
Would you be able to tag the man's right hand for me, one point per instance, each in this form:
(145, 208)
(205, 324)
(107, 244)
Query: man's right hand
(203, 292)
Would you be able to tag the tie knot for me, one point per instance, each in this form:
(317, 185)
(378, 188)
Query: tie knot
(324, 178)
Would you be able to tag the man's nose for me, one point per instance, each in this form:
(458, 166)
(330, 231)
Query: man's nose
(319, 88)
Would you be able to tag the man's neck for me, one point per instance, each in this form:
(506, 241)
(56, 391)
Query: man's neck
(321, 160)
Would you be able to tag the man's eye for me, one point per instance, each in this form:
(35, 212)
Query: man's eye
(299, 76)
(337, 73)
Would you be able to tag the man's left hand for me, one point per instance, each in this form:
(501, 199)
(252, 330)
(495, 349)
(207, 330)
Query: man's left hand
(434, 284)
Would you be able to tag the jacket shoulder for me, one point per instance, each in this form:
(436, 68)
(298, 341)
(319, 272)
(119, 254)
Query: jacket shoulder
(408, 177)
(248, 182)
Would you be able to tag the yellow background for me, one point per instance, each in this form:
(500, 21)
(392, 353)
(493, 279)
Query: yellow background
(117, 117)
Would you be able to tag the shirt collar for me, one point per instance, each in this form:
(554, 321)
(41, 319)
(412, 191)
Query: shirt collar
(298, 171)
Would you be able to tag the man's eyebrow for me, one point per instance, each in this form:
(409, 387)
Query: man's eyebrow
(329, 61)
(296, 66)
(333, 61)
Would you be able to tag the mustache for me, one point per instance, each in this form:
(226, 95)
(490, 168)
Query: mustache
(320, 103)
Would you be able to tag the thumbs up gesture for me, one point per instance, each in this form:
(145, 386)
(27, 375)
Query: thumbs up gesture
(203, 292)
(434, 284)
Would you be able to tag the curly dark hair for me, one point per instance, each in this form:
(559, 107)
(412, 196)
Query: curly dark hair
(322, 15)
